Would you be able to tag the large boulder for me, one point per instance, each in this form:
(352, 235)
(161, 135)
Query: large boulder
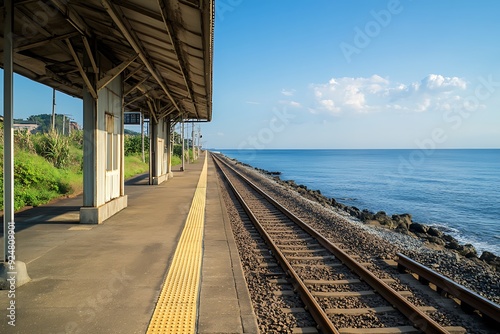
(468, 251)
(418, 228)
(453, 244)
(354, 211)
(402, 221)
(366, 215)
(435, 232)
(384, 219)
(436, 240)
(449, 238)
(491, 259)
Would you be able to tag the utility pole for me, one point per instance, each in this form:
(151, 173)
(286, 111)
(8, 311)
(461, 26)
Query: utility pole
(182, 141)
(199, 140)
(192, 141)
(53, 109)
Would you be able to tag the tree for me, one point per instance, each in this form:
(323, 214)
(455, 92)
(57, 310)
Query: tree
(44, 122)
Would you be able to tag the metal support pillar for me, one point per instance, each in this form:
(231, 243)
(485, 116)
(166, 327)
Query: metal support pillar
(8, 121)
(12, 271)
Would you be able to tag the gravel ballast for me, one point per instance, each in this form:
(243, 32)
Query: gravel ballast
(375, 243)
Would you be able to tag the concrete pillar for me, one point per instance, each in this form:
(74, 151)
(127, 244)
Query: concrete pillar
(90, 142)
(103, 180)
(160, 155)
(153, 149)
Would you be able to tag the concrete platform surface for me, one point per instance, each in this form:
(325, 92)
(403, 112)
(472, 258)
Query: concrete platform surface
(106, 278)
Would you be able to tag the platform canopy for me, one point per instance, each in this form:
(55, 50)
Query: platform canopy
(163, 48)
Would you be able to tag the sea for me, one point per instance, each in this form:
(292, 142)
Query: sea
(455, 190)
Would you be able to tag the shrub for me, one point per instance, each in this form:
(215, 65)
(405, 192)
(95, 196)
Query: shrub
(53, 147)
(26, 173)
(133, 144)
(76, 138)
(32, 197)
(24, 140)
(177, 150)
(36, 181)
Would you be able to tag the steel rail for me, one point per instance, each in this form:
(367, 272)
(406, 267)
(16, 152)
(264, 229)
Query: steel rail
(312, 305)
(418, 318)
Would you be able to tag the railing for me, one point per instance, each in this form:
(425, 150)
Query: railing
(469, 300)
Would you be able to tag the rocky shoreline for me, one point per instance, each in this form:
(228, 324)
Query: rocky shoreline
(399, 223)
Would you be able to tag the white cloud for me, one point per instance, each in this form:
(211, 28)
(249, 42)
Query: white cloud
(287, 92)
(329, 105)
(435, 81)
(252, 102)
(375, 93)
(293, 104)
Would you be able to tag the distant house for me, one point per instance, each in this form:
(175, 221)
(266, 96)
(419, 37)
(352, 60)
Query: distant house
(74, 125)
(23, 125)
(28, 126)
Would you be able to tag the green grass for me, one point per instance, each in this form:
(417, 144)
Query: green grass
(134, 166)
(37, 181)
(176, 161)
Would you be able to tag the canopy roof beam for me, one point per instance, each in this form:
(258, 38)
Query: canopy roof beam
(131, 89)
(72, 17)
(90, 54)
(82, 71)
(33, 45)
(113, 73)
(135, 99)
(165, 111)
(152, 110)
(122, 24)
(172, 34)
(134, 72)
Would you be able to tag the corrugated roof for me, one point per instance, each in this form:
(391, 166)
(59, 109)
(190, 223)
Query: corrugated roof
(165, 46)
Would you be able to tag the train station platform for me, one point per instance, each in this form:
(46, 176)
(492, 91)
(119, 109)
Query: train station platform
(111, 278)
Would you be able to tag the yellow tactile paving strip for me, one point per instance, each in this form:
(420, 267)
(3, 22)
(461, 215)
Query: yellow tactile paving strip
(176, 308)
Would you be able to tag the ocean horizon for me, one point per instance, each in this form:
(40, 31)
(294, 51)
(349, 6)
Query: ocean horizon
(455, 190)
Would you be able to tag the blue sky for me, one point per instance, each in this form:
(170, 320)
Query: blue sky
(343, 74)
(356, 74)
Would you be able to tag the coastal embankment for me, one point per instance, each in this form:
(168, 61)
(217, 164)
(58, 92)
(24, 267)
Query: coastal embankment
(397, 223)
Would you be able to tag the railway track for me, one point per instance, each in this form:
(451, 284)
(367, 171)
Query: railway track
(341, 294)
